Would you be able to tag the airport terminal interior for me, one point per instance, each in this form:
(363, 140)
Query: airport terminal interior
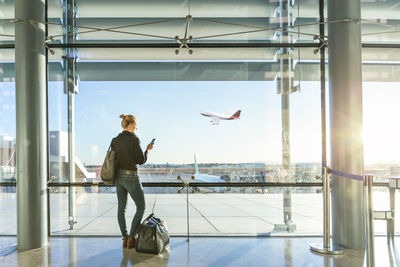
(275, 127)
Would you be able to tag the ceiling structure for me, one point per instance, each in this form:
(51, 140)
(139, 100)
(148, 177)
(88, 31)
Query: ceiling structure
(226, 23)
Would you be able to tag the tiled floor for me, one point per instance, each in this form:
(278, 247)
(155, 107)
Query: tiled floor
(210, 214)
(201, 251)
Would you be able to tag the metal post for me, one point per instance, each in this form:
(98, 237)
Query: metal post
(322, 82)
(390, 223)
(187, 212)
(286, 64)
(48, 211)
(393, 255)
(30, 77)
(187, 185)
(369, 220)
(70, 88)
(327, 247)
(47, 121)
(71, 161)
(285, 88)
(327, 209)
(346, 120)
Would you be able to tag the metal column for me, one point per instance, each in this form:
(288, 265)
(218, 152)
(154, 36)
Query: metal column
(346, 122)
(70, 88)
(71, 161)
(285, 88)
(326, 247)
(30, 77)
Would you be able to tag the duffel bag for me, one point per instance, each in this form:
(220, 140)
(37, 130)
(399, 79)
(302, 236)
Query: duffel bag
(152, 235)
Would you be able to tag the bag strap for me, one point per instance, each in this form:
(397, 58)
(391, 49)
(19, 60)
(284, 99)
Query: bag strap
(109, 148)
(152, 211)
(154, 205)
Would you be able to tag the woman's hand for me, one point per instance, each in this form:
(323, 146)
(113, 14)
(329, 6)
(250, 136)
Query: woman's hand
(149, 147)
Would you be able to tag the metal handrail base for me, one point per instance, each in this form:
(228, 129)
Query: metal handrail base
(333, 249)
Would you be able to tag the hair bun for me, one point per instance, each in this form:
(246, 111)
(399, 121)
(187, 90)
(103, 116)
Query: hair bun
(122, 116)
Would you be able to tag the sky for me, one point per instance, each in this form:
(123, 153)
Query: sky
(381, 129)
(170, 112)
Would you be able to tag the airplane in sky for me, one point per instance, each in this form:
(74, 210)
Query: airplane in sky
(216, 117)
(206, 178)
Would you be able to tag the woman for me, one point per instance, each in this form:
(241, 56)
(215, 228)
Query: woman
(128, 154)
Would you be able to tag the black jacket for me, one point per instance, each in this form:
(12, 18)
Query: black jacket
(128, 152)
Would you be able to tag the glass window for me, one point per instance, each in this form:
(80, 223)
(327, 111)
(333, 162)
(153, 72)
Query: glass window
(380, 21)
(6, 23)
(381, 144)
(217, 105)
(7, 142)
(381, 92)
(189, 106)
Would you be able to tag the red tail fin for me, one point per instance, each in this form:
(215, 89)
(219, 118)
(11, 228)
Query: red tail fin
(236, 115)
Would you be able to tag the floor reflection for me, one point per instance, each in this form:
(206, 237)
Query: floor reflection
(133, 258)
(200, 251)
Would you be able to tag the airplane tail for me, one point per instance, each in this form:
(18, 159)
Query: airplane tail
(11, 157)
(236, 115)
(195, 165)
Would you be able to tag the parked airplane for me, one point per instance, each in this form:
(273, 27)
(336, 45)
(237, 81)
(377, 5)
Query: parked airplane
(215, 117)
(206, 178)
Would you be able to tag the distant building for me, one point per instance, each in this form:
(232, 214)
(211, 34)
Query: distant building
(58, 158)
(7, 151)
(306, 172)
(394, 171)
(58, 146)
(7, 161)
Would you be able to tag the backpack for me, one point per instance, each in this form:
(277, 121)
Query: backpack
(107, 173)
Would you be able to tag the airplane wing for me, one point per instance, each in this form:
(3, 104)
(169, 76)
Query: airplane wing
(214, 120)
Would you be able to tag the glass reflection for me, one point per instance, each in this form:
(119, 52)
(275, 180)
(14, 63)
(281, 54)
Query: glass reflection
(7, 142)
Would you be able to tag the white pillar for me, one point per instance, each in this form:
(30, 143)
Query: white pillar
(30, 77)
(345, 96)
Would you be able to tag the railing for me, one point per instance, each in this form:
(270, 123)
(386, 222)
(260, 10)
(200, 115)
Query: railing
(194, 184)
(182, 185)
(328, 247)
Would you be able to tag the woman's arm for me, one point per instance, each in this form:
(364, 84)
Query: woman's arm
(140, 157)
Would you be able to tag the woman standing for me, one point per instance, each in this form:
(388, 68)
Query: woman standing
(128, 155)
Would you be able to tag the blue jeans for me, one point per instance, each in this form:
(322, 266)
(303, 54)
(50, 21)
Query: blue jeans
(129, 183)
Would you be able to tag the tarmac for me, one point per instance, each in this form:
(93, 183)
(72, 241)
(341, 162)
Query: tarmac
(210, 214)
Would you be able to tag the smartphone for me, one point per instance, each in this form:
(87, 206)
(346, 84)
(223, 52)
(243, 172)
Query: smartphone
(152, 141)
